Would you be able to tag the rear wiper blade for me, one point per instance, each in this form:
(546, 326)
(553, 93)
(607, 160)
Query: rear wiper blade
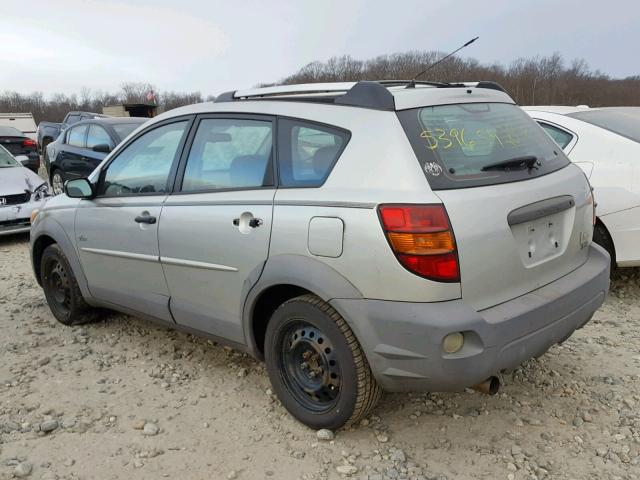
(529, 161)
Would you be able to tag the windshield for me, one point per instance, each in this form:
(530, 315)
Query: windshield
(624, 121)
(124, 129)
(454, 143)
(6, 159)
(10, 132)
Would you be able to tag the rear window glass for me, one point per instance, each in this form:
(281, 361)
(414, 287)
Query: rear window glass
(10, 132)
(124, 129)
(623, 121)
(456, 143)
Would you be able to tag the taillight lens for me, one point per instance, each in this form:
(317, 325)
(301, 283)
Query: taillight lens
(27, 142)
(422, 239)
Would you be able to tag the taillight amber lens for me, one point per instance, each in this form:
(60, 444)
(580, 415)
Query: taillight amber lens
(422, 243)
(422, 239)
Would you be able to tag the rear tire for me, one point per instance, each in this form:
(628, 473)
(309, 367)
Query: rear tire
(316, 365)
(601, 237)
(61, 288)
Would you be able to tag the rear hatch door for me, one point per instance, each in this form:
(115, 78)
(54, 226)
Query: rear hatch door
(519, 224)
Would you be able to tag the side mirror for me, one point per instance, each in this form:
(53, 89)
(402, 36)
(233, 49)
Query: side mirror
(78, 188)
(102, 148)
(22, 159)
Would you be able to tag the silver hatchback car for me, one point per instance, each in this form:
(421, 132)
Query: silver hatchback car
(358, 237)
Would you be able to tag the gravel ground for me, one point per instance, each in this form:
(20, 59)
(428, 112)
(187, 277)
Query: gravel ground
(123, 398)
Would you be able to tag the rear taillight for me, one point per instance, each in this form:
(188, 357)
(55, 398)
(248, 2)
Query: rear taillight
(422, 239)
(27, 142)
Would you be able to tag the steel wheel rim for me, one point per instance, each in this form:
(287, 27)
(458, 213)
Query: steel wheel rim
(57, 184)
(57, 283)
(309, 366)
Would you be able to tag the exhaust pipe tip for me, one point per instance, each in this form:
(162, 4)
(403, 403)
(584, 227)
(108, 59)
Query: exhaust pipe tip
(490, 386)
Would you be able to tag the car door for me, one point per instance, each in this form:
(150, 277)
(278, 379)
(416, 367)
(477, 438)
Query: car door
(71, 157)
(117, 231)
(97, 136)
(214, 231)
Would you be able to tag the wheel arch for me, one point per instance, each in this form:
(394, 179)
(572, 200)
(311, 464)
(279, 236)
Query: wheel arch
(284, 277)
(605, 229)
(47, 232)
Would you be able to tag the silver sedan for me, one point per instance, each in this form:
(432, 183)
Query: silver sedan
(21, 192)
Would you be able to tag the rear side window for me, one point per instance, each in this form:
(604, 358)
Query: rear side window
(559, 136)
(229, 154)
(456, 144)
(307, 152)
(76, 136)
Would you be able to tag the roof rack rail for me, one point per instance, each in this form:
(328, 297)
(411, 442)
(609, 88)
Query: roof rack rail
(365, 94)
(491, 86)
(360, 94)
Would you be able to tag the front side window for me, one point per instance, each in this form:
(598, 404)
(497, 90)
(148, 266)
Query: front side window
(143, 167)
(307, 152)
(559, 136)
(229, 153)
(98, 136)
(76, 135)
(475, 144)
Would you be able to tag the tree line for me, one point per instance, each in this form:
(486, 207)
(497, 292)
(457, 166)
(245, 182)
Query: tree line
(54, 107)
(530, 81)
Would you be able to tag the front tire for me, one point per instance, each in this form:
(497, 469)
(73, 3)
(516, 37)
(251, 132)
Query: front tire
(61, 288)
(316, 365)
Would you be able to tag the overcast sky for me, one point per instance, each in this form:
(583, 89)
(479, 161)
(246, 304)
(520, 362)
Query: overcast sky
(213, 46)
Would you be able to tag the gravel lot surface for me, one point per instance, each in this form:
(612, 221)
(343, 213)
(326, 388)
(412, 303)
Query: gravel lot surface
(123, 398)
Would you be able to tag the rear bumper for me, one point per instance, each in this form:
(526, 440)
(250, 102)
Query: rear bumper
(403, 341)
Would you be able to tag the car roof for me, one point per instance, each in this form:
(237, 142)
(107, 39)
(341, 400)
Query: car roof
(387, 95)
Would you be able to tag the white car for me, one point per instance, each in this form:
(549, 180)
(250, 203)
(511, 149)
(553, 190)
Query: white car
(21, 193)
(605, 143)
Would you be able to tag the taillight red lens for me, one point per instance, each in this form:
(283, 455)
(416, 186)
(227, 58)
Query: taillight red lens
(414, 218)
(443, 267)
(27, 142)
(422, 239)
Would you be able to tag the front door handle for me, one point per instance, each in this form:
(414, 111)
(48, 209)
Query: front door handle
(146, 219)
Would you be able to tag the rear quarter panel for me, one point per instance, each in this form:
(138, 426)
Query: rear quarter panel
(377, 166)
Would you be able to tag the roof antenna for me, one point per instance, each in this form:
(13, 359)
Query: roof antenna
(412, 84)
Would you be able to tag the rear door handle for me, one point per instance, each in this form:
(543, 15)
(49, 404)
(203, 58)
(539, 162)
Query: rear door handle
(146, 219)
